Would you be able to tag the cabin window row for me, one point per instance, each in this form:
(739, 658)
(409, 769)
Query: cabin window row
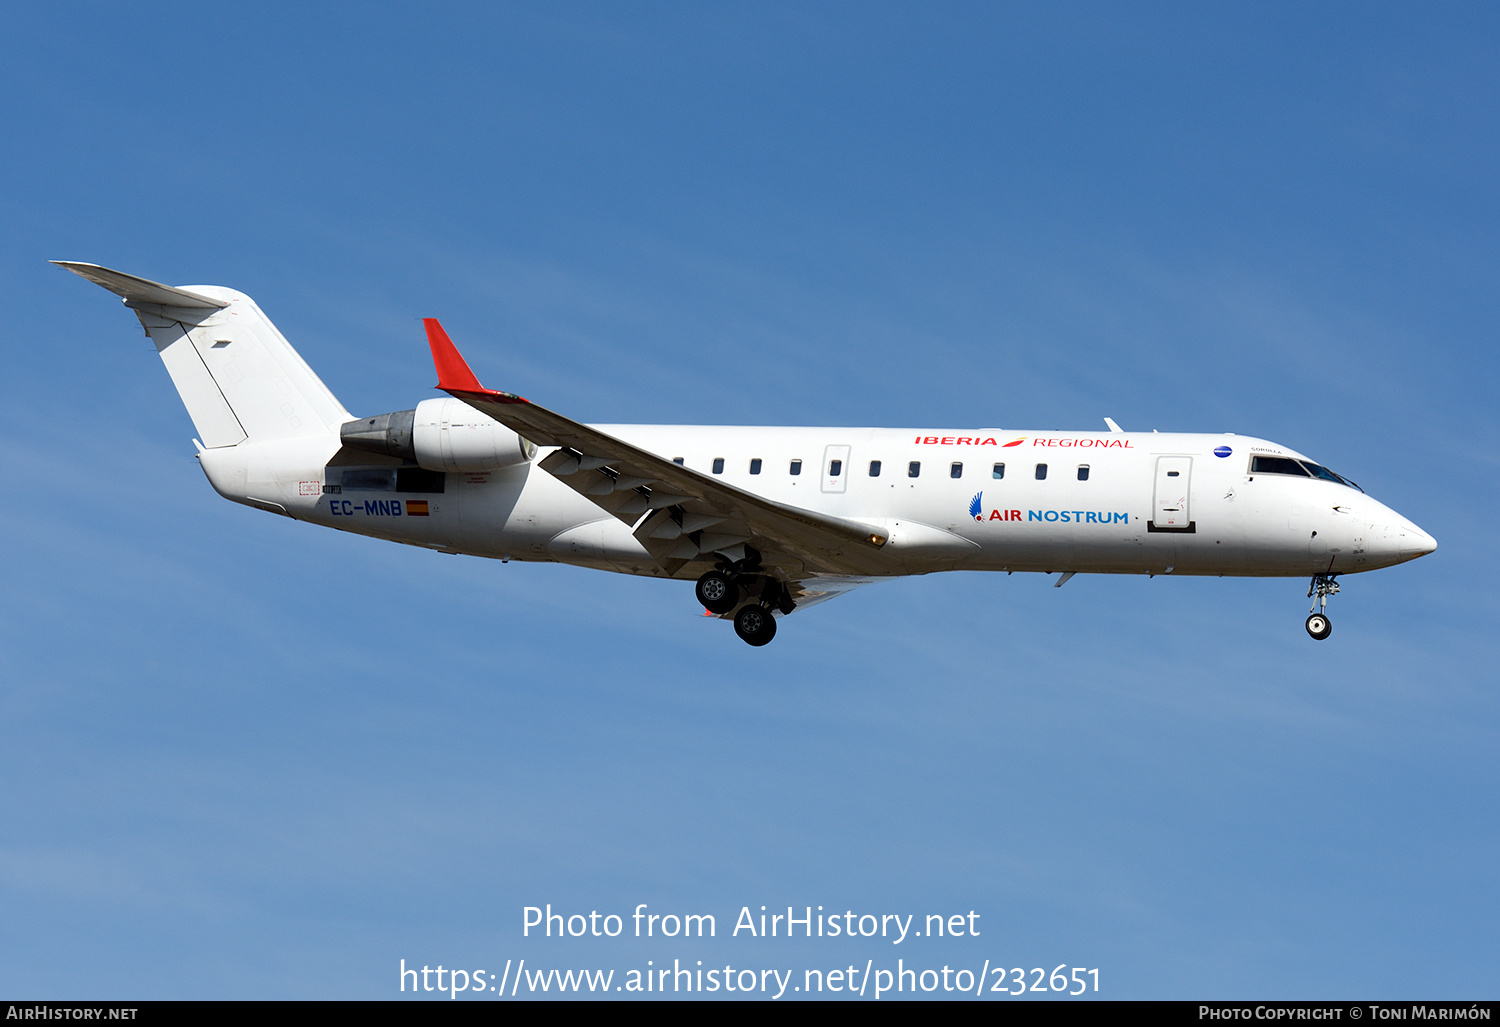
(913, 469)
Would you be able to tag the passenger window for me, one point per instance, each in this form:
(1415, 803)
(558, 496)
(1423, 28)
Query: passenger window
(835, 468)
(755, 466)
(718, 465)
(1173, 474)
(677, 460)
(1083, 472)
(914, 469)
(1041, 472)
(998, 472)
(796, 467)
(874, 468)
(956, 470)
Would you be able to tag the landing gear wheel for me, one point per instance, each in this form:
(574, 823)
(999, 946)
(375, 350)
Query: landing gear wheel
(755, 624)
(717, 593)
(1323, 585)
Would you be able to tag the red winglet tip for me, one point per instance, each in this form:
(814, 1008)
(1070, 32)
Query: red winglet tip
(452, 370)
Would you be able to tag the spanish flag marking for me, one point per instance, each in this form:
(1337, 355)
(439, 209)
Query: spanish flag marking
(416, 508)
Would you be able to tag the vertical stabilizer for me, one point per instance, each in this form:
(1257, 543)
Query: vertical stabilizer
(237, 375)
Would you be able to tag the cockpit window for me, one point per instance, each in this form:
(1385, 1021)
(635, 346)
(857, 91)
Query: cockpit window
(1319, 471)
(1276, 465)
(1297, 468)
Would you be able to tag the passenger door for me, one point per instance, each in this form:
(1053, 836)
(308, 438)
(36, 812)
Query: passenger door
(1170, 510)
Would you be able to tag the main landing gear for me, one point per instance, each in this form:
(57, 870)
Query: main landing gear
(718, 592)
(1323, 585)
(724, 590)
(755, 624)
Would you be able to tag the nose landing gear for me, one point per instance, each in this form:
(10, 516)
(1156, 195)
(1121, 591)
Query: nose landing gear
(1323, 585)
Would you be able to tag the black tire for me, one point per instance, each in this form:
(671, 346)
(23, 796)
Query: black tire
(1319, 626)
(755, 624)
(718, 593)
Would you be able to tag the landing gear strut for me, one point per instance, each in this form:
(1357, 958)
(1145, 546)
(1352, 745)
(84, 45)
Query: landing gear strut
(1323, 585)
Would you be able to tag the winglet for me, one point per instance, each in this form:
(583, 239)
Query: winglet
(1113, 427)
(452, 370)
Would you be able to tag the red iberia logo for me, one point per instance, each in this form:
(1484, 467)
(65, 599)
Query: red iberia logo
(955, 440)
(1111, 441)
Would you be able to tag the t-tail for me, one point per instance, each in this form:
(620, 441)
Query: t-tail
(262, 416)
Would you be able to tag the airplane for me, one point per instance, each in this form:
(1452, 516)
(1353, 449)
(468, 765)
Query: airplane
(765, 520)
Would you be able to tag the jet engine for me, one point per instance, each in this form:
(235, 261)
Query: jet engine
(440, 435)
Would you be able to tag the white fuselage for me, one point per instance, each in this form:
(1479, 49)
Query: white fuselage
(767, 520)
(1116, 502)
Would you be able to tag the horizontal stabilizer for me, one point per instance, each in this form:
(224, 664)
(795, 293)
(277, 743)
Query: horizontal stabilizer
(139, 290)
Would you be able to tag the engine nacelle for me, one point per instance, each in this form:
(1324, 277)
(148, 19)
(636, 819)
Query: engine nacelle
(450, 435)
(441, 435)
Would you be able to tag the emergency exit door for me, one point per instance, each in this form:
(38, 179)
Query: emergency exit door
(836, 469)
(1171, 509)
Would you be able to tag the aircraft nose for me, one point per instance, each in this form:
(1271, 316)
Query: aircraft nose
(1415, 542)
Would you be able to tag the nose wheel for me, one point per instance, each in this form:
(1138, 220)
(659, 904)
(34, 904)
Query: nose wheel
(1323, 585)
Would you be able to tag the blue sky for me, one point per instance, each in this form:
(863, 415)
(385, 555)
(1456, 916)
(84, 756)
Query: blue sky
(244, 757)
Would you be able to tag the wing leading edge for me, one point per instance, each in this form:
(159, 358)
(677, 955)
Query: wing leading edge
(679, 515)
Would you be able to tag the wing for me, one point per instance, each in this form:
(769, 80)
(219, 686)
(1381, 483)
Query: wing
(820, 589)
(680, 515)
